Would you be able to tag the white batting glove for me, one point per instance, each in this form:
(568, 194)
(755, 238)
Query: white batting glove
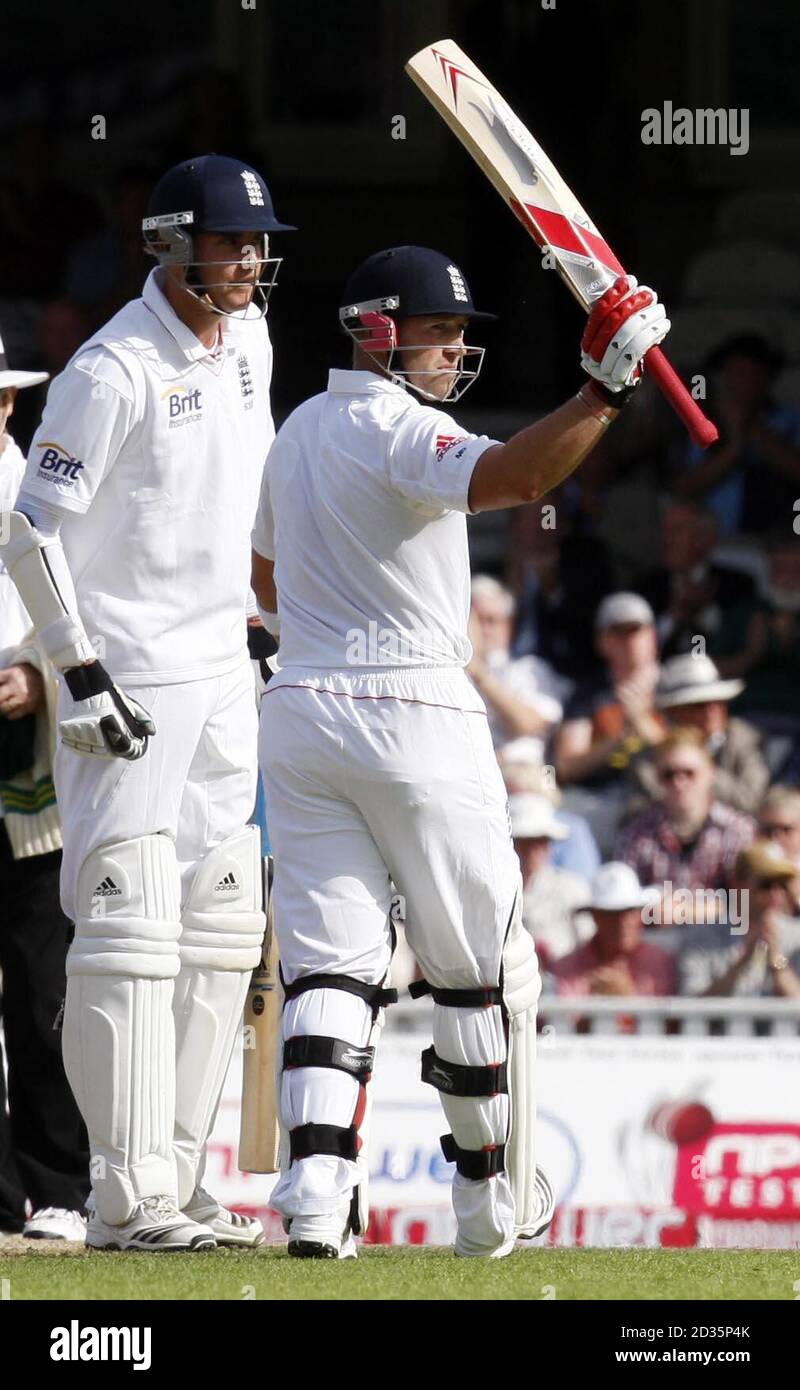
(106, 723)
(623, 325)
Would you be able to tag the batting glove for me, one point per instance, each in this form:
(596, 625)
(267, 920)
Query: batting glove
(623, 325)
(106, 722)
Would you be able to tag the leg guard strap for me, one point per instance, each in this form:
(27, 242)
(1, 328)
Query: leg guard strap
(459, 1080)
(374, 995)
(476, 1164)
(483, 997)
(324, 1139)
(314, 1051)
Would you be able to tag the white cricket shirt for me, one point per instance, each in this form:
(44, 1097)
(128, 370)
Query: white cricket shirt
(363, 509)
(153, 445)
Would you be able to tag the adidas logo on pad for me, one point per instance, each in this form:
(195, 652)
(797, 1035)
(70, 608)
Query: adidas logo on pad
(228, 884)
(107, 889)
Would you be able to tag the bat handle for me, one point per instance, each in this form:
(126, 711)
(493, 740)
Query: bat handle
(702, 431)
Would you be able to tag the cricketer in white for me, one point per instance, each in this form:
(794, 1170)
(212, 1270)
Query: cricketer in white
(131, 542)
(387, 775)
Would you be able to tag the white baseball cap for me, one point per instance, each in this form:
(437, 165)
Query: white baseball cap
(533, 818)
(18, 379)
(615, 888)
(617, 610)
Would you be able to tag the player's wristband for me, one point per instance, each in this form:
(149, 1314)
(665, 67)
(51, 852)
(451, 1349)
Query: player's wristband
(594, 394)
(84, 681)
(260, 643)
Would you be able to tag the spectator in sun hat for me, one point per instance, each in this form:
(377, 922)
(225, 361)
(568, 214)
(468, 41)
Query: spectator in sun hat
(551, 896)
(692, 694)
(765, 958)
(611, 720)
(615, 960)
(578, 851)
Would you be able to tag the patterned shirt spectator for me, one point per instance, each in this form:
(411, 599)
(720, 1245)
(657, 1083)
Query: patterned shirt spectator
(688, 839)
(650, 845)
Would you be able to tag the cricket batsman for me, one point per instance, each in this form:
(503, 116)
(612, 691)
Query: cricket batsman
(130, 543)
(375, 747)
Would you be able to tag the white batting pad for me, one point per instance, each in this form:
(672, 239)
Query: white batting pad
(223, 925)
(118, 1038)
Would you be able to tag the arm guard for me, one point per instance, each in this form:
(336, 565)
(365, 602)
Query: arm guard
(38, 567)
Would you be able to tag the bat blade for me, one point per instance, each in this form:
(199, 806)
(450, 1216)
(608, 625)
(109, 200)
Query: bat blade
(515, 163)
(259, 1129)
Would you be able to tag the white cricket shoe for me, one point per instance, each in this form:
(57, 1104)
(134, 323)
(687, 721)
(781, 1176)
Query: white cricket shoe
(229, 1227)
(55, 1223)
(322, 1237)
(540, 1223)
(156, 1224)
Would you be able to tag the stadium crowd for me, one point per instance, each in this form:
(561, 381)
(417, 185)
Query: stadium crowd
(651, 792)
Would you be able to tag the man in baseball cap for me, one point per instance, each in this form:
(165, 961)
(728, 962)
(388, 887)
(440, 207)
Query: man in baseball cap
(692, 694)
(610, 718)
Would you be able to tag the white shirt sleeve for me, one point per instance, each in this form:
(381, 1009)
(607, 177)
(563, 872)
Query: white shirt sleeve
(263, 533)
(89, 413)
(431, 459)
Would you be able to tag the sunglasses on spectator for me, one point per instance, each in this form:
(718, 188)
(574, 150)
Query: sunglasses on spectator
(764, 884)
(671, 774)
(776, 829)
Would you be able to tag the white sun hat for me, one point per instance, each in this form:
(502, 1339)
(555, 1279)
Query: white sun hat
(18, 379)
(692, 679)
(533, 818)
(615, 888)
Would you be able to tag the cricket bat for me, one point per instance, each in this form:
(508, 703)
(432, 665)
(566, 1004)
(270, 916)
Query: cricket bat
(259, 1132)
(529, 182)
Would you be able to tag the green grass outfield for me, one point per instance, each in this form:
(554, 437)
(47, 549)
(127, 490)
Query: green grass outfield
(390, 1272)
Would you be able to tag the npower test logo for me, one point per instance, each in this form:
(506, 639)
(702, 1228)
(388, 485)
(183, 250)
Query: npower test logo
(57, 463)
(185, 404)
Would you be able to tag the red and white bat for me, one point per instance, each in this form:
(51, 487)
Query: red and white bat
(533, 188)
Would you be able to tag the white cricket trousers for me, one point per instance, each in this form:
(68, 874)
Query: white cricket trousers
(157, 971)
(372, 779)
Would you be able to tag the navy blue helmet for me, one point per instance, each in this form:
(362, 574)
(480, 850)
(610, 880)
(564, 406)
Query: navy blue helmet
(212, 193)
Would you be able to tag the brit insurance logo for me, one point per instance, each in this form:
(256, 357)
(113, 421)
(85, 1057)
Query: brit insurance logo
(57, 464)
(185, 405)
